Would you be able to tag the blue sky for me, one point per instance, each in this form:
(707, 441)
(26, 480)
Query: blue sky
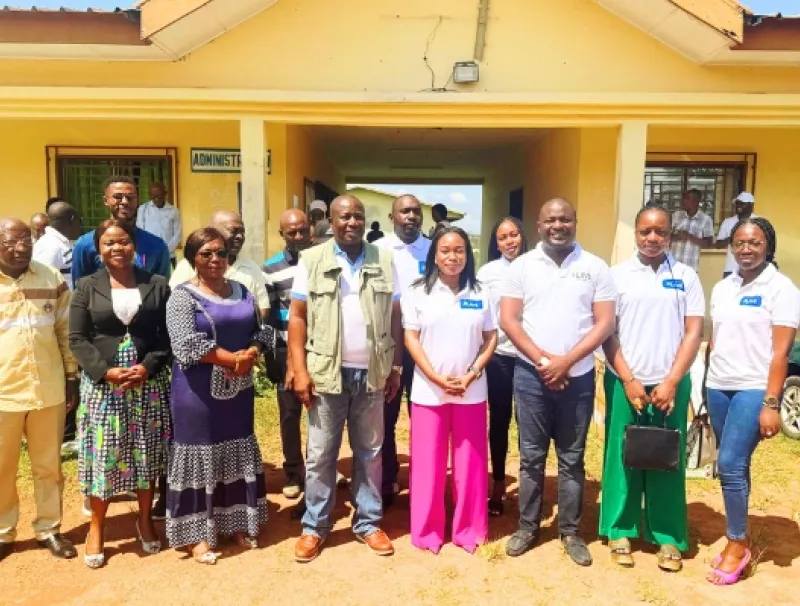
(789, 7)
(463, 198)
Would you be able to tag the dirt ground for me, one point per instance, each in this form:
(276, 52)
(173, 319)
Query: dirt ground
(347, 573)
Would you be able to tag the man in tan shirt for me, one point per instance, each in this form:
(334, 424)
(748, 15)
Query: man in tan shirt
(38, 383)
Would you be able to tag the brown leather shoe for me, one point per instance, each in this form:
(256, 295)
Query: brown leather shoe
(378, 542)
(308, 547)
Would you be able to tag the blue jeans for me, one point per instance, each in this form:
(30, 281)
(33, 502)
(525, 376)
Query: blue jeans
(563, 416)
(363, 412)
(734, 417)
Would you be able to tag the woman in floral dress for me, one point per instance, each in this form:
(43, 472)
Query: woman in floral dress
(119, 336)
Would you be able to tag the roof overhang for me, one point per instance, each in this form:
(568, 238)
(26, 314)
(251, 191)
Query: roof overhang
(157, 30)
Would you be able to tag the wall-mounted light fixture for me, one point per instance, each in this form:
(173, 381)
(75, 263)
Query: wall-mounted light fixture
(465, 72)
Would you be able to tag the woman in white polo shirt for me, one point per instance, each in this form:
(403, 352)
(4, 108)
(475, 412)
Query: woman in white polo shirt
(450, 332)
(660, 310)
(506, 243)
(755, 312)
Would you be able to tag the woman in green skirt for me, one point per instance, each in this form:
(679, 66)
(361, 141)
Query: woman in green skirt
(660, 310)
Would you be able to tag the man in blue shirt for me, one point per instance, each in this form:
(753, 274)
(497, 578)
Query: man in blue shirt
(121, 198)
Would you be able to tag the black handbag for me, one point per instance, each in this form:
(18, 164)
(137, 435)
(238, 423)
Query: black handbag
(652, 448)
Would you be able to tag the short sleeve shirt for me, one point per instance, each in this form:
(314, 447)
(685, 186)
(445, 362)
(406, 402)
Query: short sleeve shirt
(451, 328)
(557, 301)
(671, 294)
(724, 233)
(492, 276)
(409, 259)
(743, 317)
(700, 226)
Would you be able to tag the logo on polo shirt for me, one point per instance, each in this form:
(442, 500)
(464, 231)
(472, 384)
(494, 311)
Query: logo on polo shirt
(583, 276)
(674, 284)
(751, 301)
(471, 304)
(421, 267)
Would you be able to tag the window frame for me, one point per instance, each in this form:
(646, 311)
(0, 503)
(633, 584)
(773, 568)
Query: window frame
(746, 161)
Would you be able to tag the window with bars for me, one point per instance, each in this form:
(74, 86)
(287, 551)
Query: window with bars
(719, 183)
(80, 180)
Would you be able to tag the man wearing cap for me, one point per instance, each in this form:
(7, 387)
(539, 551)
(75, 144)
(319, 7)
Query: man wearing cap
(743, 206)
(321, 230)
(692, 230)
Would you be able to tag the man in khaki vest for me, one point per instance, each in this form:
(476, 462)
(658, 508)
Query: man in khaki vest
(344, 322)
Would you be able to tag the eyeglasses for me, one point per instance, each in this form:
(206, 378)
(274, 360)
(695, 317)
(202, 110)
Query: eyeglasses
(121, 197)
(207, 254)
(13, 244)
(740, 244)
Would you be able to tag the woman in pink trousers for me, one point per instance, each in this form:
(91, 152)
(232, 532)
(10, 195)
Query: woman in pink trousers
(450, 332)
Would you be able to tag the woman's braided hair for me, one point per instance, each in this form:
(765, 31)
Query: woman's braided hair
(769, 233)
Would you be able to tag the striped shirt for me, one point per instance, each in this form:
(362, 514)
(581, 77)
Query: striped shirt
(34, 339)
(279, 272)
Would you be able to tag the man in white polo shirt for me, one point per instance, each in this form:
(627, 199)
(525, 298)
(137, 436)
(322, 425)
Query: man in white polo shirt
(743, 206)
(557, 308)
(409, 250)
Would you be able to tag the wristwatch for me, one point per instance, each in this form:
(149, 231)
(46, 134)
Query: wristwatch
(772, 402)
(478, 373)
(398, 370)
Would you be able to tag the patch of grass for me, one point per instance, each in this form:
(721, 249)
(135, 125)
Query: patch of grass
(493, 551)
(650, 593)
(760, 541)
(774, 469)
(449, 572)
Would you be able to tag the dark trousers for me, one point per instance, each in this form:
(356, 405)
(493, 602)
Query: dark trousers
(71, 426)
(290, 410)
(564, 417)
(500, 379)
(391, 413)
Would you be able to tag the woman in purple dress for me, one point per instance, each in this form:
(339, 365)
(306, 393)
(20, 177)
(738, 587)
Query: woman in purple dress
(216, 476)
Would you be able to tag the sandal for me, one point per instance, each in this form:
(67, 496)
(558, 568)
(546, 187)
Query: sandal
(246, 542)
(496, 507)
(670, 558)
(718, 577)
(621, 553)
(207, 557)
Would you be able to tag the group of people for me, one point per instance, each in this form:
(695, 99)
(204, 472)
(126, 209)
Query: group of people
(347, 328)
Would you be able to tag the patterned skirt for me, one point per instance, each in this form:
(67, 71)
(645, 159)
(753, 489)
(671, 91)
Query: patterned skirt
(215, 489)
(124, 435)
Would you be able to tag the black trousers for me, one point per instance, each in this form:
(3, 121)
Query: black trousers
(290, 410)
(500, 380)
(560, 416)
(391, 413)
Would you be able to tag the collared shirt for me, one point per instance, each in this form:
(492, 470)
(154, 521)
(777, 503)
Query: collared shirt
(34, 339)
(557, 301)
(492, 276)
(355, 350)
(151, 255)
(409, 259)
(669, 295)
(700, 226)
(244, 271)
(743, 317)
(451, 328)
(279, 272)
(55, 250)
(162, 222)
(725, 230)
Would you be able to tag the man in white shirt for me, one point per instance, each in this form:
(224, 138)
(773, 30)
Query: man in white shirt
(557, 309)
(743, 206)
(244, 271)
(161, 219)
(409, 250)
(54, 248)
(692, 230)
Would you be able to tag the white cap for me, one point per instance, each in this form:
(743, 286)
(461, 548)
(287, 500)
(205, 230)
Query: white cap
(318, 205)
(745, 197)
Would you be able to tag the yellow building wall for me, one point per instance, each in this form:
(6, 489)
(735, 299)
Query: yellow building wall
(776, 187)
(531, 46)
(596, 220)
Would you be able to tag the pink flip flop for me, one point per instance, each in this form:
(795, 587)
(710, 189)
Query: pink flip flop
(729, 578)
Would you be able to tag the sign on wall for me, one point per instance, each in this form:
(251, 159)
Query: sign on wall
(220, 160)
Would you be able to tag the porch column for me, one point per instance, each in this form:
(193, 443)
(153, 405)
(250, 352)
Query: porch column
(253, 144)
(631, 158)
